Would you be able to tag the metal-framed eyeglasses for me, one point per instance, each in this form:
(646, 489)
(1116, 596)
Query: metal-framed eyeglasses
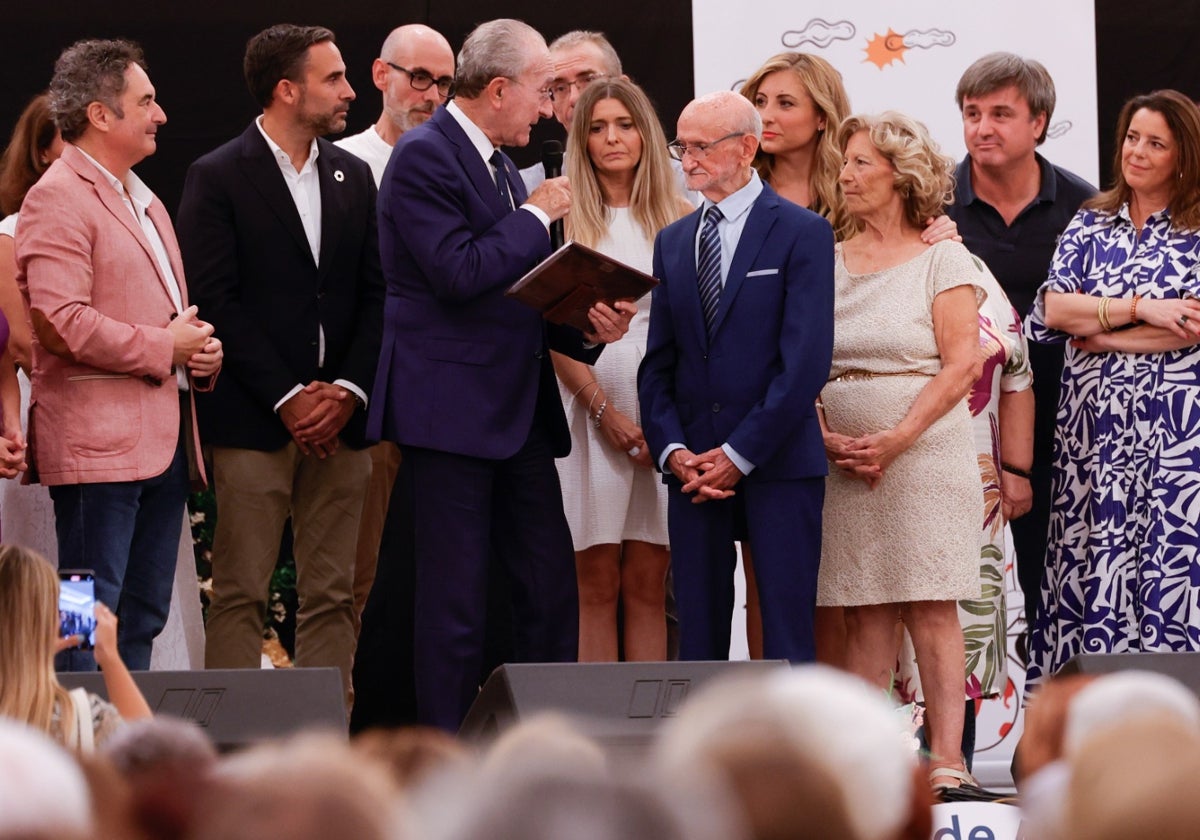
(677, 148)
(421, 80)
(561, 88)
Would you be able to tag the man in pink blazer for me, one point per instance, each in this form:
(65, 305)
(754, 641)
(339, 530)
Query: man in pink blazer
(117, 351)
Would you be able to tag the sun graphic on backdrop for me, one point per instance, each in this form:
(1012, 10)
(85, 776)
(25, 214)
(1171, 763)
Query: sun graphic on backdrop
(882, 50)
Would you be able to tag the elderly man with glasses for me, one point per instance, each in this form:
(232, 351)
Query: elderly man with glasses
(741, 337)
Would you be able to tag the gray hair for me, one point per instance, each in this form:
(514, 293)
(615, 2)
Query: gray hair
(576, 37)
(498, 48)
(86, 72)
(738, 112)
(1001, 69)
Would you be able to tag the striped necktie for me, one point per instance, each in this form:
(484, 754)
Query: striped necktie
(708, 266)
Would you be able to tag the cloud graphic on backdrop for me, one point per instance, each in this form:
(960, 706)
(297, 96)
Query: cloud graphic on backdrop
(1059, 129)
(884, 49)
(818, 32)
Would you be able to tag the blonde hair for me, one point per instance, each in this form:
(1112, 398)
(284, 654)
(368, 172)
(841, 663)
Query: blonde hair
(29, 624)
(923, 177)
(656, 200)
(824, 85)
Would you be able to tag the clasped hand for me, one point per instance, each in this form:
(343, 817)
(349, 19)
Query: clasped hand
(316, 415)
(710, 475)
(865, 458)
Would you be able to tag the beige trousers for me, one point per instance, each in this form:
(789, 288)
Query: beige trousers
(256, 493)
(385, 463)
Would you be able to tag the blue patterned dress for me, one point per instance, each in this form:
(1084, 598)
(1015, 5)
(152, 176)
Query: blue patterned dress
(1122, 570)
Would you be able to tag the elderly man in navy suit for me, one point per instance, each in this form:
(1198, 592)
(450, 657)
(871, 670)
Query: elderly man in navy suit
(741, 337)
(465, 384)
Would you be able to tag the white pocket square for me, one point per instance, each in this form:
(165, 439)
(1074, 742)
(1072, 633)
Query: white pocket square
(762, 272)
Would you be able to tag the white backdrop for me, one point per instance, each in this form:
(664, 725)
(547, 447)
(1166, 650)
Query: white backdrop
(909, 56)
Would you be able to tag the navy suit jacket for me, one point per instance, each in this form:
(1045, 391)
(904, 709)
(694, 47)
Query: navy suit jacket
(252, 275)
(754, 383)
(462, 369)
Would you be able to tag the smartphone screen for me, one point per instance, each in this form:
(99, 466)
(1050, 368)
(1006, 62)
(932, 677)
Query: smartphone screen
(77, 605)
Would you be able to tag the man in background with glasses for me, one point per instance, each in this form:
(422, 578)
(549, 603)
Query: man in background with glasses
(741, 338)
(415, 72)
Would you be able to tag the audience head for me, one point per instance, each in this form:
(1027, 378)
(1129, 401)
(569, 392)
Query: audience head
(43, 792)
(101, 97)
(1133, 779)
(35, 144)
(802, 101)
(1006, 103)
(615, 135)
(580, 57)
(415, 71)
(297, 73)
(412, 754)
(1127, 695)
(28, 632)
(893, 154)
(818, 714)
(310, 787)
(544, 745)
(503, 80)
(716, 138)
(1157, 156)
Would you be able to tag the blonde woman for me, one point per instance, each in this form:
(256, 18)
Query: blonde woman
(29, 690)
(623, 192)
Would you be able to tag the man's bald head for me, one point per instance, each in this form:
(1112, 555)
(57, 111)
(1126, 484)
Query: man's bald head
(411, 52)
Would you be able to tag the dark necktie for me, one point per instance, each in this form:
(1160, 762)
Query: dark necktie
(708, 266)
(497, 160)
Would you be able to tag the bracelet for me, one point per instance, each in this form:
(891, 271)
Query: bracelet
(599, 413)
(584, 385)
(1009, 468)
(1102, 314)
(1133, 309)
(595, 394)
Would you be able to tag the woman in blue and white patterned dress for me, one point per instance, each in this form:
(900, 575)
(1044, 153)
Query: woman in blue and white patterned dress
(1123, 554)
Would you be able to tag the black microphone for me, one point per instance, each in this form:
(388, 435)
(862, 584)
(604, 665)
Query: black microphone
(552, 160)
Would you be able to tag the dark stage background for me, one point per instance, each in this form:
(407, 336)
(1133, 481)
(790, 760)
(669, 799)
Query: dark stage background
(195, 51)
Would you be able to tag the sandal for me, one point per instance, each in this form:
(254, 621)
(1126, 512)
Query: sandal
(957, 770)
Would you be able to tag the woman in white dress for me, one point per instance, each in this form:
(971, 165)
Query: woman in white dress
(624, 191)
(27, 512)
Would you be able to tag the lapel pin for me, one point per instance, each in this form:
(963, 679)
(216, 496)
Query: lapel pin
(338, 176)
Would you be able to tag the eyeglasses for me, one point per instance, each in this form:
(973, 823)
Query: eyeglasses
(544, 93)
(677, 148)
(422, 80)
(562, 88)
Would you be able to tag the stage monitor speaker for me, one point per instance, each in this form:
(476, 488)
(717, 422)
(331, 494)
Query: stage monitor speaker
(1184, 667)
(238, 707)
(618, 704)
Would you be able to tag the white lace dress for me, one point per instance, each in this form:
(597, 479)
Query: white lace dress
(607, 497)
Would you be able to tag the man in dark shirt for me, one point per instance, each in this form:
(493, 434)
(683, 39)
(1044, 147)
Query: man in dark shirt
(1010, 205)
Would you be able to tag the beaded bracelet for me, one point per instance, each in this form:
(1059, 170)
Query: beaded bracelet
(1133, 319)
(600, 413)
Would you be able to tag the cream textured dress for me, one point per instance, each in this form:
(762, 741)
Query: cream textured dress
(606, 496)
(915, 537)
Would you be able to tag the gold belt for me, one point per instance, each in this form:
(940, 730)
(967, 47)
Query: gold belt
(855, 375)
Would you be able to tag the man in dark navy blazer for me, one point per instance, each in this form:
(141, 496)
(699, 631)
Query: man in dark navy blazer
(465, 384)
(741, 338)
(278, 231)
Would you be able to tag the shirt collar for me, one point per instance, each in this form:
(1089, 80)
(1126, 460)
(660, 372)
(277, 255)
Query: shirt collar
(281, 156)
(474, 133)
(738, 203)
(964, 190)
(133, 185)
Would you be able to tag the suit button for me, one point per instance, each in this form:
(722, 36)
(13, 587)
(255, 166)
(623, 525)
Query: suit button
(716, 407)
(538, 354)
